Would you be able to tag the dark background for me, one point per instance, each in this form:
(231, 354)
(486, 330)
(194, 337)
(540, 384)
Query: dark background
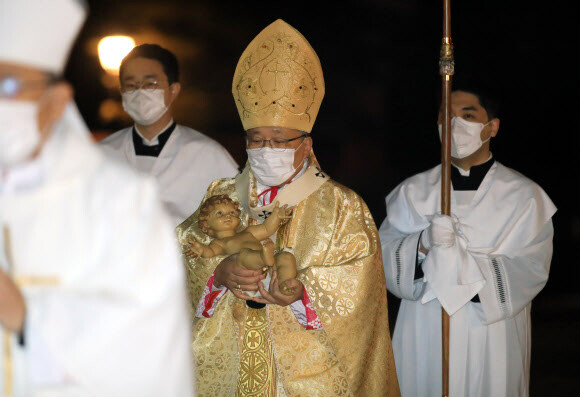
(377, 125)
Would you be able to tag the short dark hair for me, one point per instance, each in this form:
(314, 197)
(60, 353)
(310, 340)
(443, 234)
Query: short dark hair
(486, 97)
(154, 51)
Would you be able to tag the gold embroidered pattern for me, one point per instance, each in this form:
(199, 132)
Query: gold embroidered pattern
(336, 244)
(8, 381)
(21, 281)
(257, 375)
(278, 80)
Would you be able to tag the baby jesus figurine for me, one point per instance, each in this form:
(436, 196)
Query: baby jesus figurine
(219, 217)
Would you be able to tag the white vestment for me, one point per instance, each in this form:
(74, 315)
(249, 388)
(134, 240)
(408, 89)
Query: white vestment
(505, 249)
(186, 166)
(90, 246)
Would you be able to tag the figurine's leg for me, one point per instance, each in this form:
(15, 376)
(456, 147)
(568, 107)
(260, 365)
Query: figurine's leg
(251, 259)
(286, 269)
(268, 249)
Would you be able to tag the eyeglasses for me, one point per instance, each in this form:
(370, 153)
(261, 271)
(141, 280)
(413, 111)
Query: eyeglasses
(256, 142)
(11, 87)
(148, 84)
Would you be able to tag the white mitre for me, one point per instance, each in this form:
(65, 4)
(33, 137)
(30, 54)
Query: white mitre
(39, 33)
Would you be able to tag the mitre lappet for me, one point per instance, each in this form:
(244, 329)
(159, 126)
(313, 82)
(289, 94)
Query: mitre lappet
(278, 80)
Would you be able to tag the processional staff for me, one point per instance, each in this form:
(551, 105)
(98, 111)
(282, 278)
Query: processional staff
(446, 69)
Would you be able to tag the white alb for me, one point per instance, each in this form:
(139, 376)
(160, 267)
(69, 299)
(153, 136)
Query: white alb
(186, 166)
(502, 253)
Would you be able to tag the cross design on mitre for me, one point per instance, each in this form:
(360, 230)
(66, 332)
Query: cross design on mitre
(320, 174)
(277, 70)
(265, 214)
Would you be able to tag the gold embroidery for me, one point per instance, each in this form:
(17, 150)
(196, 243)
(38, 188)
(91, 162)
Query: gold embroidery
(257, 375)
(6, 335)
(20, 281)
(26, 281)
(278, 80)
(7, 365)
(336, 244)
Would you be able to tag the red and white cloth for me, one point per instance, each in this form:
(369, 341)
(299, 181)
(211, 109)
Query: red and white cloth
(209, 299)
(302, 309)
(267, 196)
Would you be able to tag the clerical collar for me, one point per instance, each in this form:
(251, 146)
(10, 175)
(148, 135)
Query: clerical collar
(145, 147)
(471, 179)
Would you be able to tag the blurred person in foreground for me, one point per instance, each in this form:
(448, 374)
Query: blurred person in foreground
(330, 337)
(92, 295)
(183, 160)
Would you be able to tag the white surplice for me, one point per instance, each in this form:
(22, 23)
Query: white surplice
(92, 249)
(186, 166)
(503, 254)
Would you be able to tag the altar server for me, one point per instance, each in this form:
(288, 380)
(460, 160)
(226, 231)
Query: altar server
(484, 264)
(183, 160)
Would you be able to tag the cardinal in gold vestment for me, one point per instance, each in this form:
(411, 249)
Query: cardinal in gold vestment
(332, 337)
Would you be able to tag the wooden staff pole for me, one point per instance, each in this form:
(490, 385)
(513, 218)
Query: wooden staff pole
(446, 69)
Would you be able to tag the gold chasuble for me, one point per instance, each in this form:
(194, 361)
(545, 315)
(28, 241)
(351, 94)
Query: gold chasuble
(266, 352)
(242, 351)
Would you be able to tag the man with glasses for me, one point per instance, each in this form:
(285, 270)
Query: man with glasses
(331, 336)
(183, 161)
(484, 264)
(92, 294)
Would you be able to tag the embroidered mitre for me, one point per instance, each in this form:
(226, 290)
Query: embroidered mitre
(278, 80)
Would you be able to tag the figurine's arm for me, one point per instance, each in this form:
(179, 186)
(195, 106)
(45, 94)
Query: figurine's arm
(272, 223)
(205, 251)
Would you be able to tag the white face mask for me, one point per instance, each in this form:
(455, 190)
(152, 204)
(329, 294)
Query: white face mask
(145, 106)
(272, 167)
(465, 137)
(19, 134)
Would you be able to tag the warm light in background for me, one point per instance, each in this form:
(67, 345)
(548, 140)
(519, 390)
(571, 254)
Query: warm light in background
(112, 50)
